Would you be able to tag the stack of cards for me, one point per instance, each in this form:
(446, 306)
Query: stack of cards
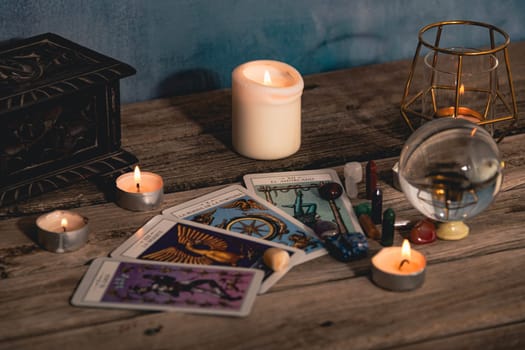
(207, 255)
(179, 241)
(236, 209)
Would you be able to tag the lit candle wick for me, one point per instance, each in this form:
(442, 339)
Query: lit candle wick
(63, 223)
(403, 262)
(136, 176)
(405, 253)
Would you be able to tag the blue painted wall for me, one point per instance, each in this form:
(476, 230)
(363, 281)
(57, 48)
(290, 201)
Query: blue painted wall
(184, 46)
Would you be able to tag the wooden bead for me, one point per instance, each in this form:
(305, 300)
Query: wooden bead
(276, 259)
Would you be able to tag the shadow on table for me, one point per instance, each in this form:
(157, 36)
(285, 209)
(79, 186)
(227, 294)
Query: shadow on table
(27, 225)
(213, 115)
(188, 82)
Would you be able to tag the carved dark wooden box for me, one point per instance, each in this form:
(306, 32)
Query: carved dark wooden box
(59, 116)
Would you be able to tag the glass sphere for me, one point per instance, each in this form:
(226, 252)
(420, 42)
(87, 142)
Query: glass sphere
(450, 169)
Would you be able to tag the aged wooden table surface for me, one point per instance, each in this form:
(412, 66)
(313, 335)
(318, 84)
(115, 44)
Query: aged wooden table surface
(473, 296)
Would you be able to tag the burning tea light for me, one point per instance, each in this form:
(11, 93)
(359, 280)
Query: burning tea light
(63, 224)
(399, 268)
(266, 109)
(463, 112)
(137, 178)
(139, 190)
(62, 231)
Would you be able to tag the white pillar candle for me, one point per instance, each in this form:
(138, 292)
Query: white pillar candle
(266, 109)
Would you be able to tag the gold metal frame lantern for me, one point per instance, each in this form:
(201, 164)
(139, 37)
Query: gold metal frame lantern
(457, 72)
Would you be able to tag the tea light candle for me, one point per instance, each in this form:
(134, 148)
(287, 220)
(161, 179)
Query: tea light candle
(62, 231)
(266, 109)
(462, 112)
(139, 190)
(399, 268)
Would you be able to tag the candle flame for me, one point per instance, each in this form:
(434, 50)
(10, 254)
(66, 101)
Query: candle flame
(136, 176)
(462, 89)
(405, 250)
(267, 77)
(63, 223)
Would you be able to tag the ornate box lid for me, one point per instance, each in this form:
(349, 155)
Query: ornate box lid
(47, 66)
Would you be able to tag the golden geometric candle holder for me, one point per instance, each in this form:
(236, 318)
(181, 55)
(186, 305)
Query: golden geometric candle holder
(460, 69)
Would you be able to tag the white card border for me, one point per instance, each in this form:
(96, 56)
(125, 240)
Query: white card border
(296, 258)
(248, 181)
(78, 298)
(172, 212)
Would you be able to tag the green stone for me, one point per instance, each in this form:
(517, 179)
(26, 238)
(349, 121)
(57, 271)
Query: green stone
(363, 208)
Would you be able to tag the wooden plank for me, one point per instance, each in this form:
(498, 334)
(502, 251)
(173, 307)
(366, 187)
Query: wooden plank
(508, 337)
(474, 289)
(457, 298)
(110, 225)
(23, 264)
(348, 115)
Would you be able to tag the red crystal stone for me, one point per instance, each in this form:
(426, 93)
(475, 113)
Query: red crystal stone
(424, 231)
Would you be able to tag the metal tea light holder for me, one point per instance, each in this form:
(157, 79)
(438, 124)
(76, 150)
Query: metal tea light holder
(455, 73)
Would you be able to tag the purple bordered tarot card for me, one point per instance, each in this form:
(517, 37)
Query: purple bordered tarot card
(156, 286)
(187, 242)
(235, 209)
(297, 193)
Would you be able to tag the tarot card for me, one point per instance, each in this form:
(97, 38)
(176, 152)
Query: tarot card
(297, 193)
(235, 209)
(148, 285)
(182, 241)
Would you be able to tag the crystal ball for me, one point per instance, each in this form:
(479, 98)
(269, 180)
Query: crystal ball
(450, 169)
